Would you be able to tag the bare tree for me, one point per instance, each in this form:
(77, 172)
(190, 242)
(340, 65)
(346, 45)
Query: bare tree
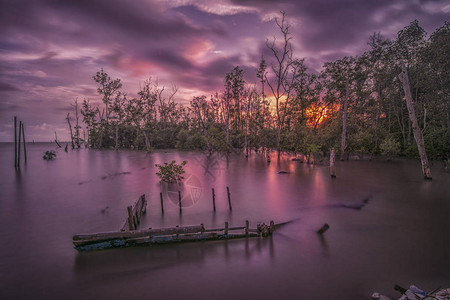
(280, 87)
(403, 76)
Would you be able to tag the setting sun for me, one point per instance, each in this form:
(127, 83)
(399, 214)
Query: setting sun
(318, 113)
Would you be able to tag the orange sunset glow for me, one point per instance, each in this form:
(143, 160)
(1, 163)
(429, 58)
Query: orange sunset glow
(319, 113)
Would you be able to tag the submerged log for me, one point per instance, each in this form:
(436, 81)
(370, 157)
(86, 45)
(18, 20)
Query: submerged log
(163, 239)
(324, 228)
(97, 241)
(82, 239)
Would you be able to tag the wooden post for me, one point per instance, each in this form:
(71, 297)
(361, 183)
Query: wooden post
(179, 201)
(247, 224)
(162, 203)
(143, 204)
(214, 199)
(15, 141)
(130, 218)
(135, 222)
(403, 76)
(137, 217)
(24, 144)
(332, 160)
(18, 150)
(324, 228)
(272, 227)
(226, 228)
(229, 199)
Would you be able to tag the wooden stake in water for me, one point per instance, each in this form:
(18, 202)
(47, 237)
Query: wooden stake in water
(24, 144)
(162, 203)
(226, 228)
(18, 150)
(332, 160)
(324, 228)
(15, 141)
(130, 218)
(214, 199)
(229, 198)
(179, 201)
(247, 225)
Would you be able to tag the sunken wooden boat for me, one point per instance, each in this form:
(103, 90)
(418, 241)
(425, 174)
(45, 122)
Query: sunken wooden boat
(177, 234)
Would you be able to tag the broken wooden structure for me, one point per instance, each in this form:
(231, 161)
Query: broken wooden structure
(135, 213)
(98, 241)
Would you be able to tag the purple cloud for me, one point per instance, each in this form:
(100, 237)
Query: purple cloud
(50, 49)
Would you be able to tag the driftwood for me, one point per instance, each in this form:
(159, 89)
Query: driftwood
(324, 228)
(97, 241)
(81, 239)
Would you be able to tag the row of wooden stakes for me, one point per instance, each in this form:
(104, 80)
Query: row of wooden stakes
(213, 200)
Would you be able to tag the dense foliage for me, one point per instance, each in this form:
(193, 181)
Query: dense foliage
(171, 172)
(356, 104)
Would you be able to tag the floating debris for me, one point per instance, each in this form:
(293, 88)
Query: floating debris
(283, 172)
(49, 155)
(414, 293)
(114, 175)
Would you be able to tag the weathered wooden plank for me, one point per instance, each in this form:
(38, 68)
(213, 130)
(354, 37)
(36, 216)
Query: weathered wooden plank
(135, 213)
(162, 239)
(167, 235)
(137, 233)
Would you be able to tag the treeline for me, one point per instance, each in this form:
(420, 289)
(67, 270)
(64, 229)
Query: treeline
(356, 104)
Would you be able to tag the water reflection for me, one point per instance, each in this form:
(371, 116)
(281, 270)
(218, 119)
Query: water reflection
(45, 204)
(148, 258)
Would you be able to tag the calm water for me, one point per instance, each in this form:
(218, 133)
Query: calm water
(400, 237)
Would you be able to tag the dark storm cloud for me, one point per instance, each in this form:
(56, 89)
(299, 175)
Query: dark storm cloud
(171, 60)
(135, 18)
(7, 87)
(207, 77)
(132, 26)
(335, 26)
(50, 49)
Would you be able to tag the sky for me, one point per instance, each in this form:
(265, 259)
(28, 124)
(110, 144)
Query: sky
(50, 49)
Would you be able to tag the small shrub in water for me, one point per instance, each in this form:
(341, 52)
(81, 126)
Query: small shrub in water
(171, 172)
(48, 155)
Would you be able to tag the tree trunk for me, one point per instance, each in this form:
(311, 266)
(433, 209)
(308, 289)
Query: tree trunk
(70, 128)
(147, 143)
(344, 121)
(228, 130)
(246, 127)
(332, 160)
(403, 76)
(77, 126)
(278, 136)
(117, 136)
